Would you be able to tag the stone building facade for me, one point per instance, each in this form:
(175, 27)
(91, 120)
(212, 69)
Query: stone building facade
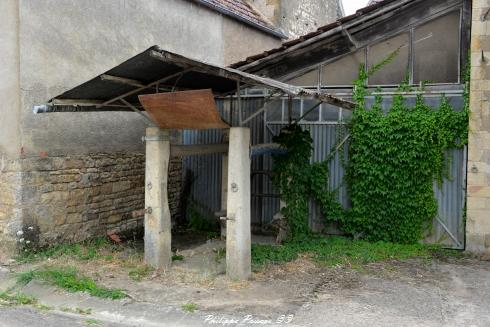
(478, 201)
(70, 177)
(298, 18)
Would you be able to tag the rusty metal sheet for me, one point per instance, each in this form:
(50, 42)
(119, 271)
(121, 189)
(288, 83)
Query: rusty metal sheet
(194, 109)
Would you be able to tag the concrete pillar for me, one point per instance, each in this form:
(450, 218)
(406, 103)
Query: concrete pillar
(224, 191)
(478, 197)
(224, 183)
(238, 237)
(158, 253)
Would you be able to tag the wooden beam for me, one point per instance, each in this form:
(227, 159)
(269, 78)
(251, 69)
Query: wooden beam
(181, 150)
(121, 80)
(76, 102)
(251, 79)
(161, 80)
(262, 109)
(197, 149)
(139, 112)
(87, 103)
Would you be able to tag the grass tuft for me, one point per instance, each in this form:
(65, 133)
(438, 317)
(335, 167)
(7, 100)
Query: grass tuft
(177, 257)
(219, 255)
(138, 273)
(341, 251)
(69, 280)
(189, 307)
(92, 322)
(9, 298)
(87, 250)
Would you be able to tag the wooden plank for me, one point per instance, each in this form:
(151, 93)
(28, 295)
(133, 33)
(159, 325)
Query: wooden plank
(121, 80)
(183, 110)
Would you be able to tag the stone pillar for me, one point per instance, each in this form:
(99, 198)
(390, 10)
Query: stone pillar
(478, 197)
(238, 237)
(158, 253)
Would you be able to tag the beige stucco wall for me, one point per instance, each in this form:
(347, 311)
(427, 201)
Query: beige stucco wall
(478, 206)
(51, 46)
(9, 78)
(241, 41)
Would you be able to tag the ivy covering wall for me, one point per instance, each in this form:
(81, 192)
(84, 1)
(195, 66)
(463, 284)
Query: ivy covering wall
(394, 159)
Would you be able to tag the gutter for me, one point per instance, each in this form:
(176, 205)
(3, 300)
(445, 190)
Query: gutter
(232, 14)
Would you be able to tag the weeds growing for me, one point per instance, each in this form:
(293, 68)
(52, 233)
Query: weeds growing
(189, 307)
(138, 273)
(70, 280)
(87, 250)
(10, 298)
(334, 251)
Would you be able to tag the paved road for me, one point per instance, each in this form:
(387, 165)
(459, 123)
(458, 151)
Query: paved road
(29, 317)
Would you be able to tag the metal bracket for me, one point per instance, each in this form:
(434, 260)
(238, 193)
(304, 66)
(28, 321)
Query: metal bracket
(155, 138)
(231, 217)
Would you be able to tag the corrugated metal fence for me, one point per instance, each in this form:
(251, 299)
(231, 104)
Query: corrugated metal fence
(448, 227)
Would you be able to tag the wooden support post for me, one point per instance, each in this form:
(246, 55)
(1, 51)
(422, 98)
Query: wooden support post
(158, 253)
(238, 235)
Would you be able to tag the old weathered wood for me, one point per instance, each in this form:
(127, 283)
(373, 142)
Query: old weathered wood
(183, 110)
(247, 78)
(122, 80)
(139, 112)
(153, 84)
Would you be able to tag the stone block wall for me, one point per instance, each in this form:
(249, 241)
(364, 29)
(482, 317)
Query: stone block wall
(69, 199)
(478, 205)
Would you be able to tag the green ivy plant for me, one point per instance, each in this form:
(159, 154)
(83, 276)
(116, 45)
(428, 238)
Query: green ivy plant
(394, 158)
(299, 181)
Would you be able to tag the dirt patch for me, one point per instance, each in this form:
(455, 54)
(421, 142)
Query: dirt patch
(277, 289)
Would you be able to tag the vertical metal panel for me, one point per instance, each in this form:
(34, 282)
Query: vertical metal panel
(448, 227)
(206, 170)
(206, 189)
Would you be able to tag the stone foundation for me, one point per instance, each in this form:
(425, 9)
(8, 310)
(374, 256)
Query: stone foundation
(69, 199)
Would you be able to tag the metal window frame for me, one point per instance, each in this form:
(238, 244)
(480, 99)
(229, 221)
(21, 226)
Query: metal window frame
(408, 29)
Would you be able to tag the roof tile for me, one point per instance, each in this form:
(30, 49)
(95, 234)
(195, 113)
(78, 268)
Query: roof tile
(372, 6)
(242, 9)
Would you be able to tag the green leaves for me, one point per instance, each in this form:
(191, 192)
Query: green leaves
(298, 181)
(394, 160)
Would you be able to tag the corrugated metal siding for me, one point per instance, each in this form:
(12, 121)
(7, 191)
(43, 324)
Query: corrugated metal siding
(207, 170)
(450, 199)
(325, 139)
